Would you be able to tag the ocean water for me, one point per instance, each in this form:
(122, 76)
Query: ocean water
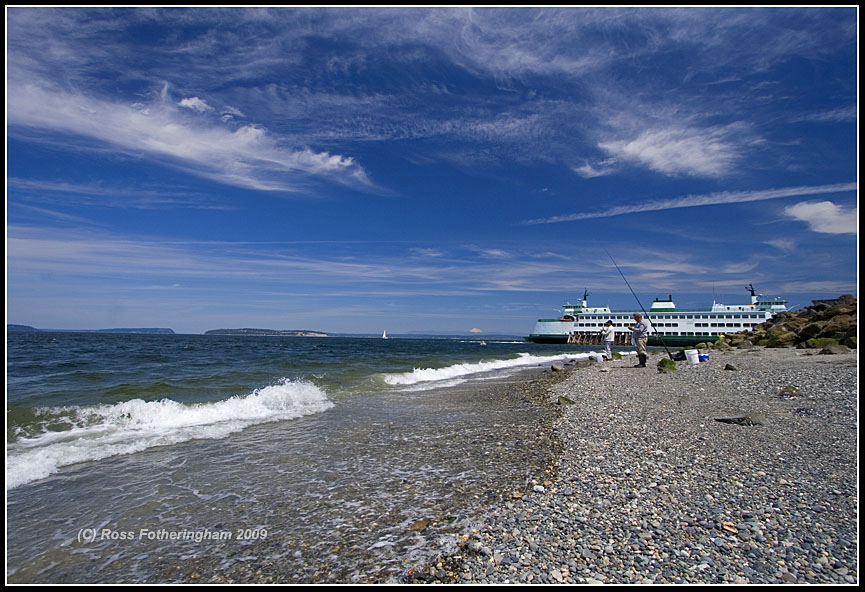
(183, 458)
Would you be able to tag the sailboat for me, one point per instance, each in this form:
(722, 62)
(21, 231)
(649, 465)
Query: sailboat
(384, 334)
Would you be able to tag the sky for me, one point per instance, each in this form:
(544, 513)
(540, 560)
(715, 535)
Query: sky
(455, 169)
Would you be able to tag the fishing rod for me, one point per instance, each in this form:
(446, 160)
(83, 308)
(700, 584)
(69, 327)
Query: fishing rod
(645, 314)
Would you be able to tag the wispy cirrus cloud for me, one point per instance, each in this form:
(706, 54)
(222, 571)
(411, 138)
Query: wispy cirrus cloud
(113, 195)
(709, 152)
(244, 156)
(693, 201)
(263, 66)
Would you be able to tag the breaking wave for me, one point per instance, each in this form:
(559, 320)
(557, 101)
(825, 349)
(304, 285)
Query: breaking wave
(456, 371)
(68, 435)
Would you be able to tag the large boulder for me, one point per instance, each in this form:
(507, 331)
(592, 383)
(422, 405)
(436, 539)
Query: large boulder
(810, 330)
(845, 305)
(836, 327)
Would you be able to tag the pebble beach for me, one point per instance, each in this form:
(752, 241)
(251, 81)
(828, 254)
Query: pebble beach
(740, 469)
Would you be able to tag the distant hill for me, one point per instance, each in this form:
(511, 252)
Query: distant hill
(154, 331)
(267, 332)
(148, 331)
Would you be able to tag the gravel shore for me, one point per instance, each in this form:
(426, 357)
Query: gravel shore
(650, 487)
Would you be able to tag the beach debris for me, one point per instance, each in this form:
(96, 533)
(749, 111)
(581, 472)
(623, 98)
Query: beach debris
(563, 400)
(747, 419)
(538, 489)
(729, 527)
(730, 367)
(419, 525)
(788, 391)
(556, 368)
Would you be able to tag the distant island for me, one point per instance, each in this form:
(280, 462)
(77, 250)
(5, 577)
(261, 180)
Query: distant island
(146, 330)
(267, 332)
(150, 331)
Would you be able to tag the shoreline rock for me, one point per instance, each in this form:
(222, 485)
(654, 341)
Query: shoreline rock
(822, 324)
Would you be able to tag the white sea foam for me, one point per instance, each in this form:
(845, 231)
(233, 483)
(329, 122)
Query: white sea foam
(102, 431)
(419, 375)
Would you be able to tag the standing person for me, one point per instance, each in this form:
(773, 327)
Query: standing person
(609, 333)
(640, 337)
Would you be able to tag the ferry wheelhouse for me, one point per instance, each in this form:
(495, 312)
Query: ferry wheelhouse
(581, 324)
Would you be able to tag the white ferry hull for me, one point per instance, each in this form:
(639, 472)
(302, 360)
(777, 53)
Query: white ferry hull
(669, 326)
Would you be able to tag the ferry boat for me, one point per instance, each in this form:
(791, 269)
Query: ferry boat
(581, 324)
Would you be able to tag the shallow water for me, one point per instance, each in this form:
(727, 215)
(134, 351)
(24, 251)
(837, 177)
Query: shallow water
(382, 479)
(341, 496)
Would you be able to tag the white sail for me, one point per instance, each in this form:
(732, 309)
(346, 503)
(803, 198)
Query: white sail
(384, 334)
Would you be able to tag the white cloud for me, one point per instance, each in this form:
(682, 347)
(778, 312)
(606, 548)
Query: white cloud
(230, 113)
(679, 151)
(601, 169)
(825, 217)
(782, 244)
(247, 156)
(839, 115)
(195, 104)
(424, 252)
(692, 201)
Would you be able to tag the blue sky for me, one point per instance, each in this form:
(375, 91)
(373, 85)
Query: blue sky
(422, 169)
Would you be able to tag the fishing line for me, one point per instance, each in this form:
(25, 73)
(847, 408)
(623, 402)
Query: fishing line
(645, 314)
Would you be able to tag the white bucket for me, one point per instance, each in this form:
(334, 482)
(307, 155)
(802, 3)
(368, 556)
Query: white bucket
(693, 356)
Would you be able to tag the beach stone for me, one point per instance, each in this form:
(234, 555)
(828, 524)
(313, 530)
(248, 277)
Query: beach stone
(419, 525)
(835, 349)
(748, 419)
(650, 484)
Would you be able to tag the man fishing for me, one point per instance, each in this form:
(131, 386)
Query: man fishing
(640, 337)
